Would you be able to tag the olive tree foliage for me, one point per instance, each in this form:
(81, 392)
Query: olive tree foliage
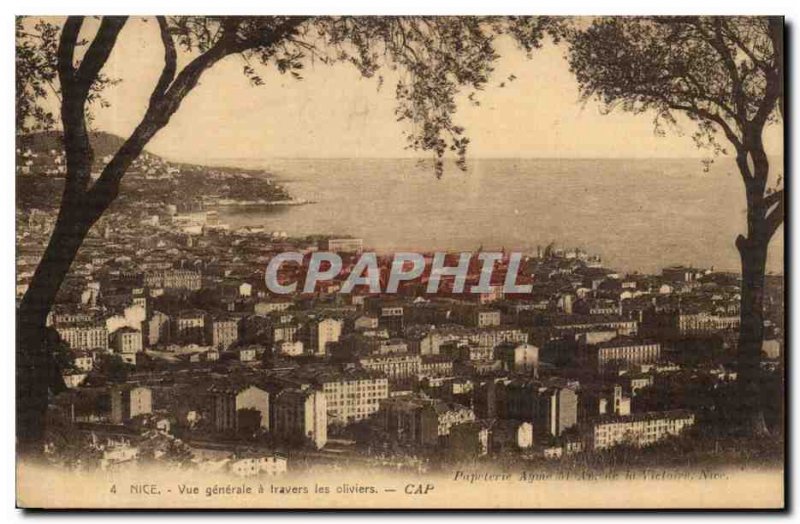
(435, 58)
(37, 76)
(726, 75)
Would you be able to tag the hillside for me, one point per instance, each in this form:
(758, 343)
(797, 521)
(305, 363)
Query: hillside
(102, 143)
(41, 168)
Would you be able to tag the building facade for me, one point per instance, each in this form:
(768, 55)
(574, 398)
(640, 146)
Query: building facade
(129, 402)
(189, 327)
(353, 397)
(239, 408)
(84, 336)
(319, 333)
(393, 366)
(625, 353)
(640, 429)
(301, 417)
(173, 279)
(222, 333)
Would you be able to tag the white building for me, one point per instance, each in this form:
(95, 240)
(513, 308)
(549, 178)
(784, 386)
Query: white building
(343, 245)
(127, 343)
(319, 333)
(393, 366)
(641, 429)
(252, 466)
(351, 397)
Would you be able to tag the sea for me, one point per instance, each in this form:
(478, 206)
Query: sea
(637, 214)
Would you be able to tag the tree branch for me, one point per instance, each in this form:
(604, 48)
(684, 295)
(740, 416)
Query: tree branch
(270, 38)
(159, 113)
(99, 50)
(66, 51)
(170, 61)
(774, 219)
(734, 37)
(772, 97)
(773, 93)
(708, 115)
(775, 24)
(77, 149)
(773, 198)
(700, 93)
(718, 43)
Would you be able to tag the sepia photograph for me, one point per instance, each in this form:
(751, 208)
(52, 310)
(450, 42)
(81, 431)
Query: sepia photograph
(411, 262)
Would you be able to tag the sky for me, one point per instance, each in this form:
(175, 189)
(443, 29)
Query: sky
(334, 112)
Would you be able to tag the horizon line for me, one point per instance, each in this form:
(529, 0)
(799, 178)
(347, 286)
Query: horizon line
(427, 159)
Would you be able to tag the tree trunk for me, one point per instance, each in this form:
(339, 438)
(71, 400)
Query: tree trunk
(82, 204)
(753, 164)
(751, 334)
(37, 373)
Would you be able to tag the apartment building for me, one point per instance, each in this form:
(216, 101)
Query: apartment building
(640, 429)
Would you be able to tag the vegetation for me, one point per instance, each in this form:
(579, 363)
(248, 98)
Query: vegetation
(726, 75)
(438, 57)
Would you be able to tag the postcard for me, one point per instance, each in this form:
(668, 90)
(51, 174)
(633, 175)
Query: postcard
(406, 262)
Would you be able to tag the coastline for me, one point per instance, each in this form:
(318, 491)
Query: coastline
(263, 203)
